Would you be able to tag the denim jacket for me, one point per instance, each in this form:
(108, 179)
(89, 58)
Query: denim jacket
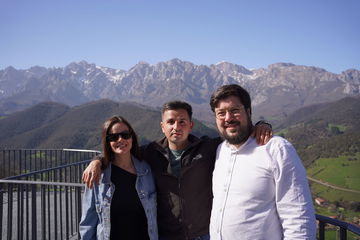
(95, 220)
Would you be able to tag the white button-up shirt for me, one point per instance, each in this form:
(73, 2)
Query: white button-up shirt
(261, 192)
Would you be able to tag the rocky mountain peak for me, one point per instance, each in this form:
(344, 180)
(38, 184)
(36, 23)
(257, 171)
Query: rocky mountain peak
(295, 68)
(281, 65)
(278, 89)
(230, 68)
(9, 70)
(76, 66)
(175, 61)
(352, 75)
(142, 64)
(38, 70)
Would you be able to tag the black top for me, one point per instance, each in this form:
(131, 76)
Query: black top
(128, 219)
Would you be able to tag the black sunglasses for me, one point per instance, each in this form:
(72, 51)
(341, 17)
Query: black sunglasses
(115, 136)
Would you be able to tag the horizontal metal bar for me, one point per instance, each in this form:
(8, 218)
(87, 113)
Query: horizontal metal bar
(49, 149)
(354, 229)
(47, 170)
(341, 224)
(80, 150)
(43, 183)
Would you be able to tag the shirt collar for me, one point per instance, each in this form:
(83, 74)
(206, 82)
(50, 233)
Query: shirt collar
(235, 149)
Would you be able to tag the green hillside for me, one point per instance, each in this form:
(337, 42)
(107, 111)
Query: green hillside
(323, 131)
(327, 138)
(51, 125)
(32, 118)
(343, 171)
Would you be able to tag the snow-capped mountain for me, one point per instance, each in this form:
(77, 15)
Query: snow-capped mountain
(276, 90)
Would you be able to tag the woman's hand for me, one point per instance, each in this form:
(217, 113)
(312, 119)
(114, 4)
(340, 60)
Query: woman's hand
(92, 173)
(262, 132)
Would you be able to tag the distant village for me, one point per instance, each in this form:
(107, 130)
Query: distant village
(333, 208)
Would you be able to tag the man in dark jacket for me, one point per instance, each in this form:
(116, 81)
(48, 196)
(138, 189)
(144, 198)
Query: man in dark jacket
(182, 166)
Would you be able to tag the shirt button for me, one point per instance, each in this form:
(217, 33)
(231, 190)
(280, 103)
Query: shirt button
(220, 210)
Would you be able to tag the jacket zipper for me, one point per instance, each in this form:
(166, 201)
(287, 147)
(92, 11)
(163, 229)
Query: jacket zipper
(181, 202)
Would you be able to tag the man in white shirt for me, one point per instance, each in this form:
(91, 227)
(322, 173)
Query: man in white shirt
(260, 192)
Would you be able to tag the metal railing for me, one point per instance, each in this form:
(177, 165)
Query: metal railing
(45, 203)
(344, 227)
(42, 198)
(50, 210)
(18, 162)
(39, 210)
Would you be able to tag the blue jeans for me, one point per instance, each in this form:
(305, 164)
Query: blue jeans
(203, 237)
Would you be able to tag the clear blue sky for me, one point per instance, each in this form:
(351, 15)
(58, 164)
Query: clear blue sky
(119, 34)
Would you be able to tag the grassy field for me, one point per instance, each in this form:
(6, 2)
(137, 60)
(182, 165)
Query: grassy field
(342, 128)
(333, 195)
(347, 215)
(334, 235)
(343, 171)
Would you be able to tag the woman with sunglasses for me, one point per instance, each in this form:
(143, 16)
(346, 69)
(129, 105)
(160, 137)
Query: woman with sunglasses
(123, 206)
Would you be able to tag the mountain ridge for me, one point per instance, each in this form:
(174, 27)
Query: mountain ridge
(276, 91)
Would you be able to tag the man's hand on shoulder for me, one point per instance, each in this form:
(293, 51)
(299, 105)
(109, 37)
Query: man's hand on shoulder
(262, 132)
(92, 173)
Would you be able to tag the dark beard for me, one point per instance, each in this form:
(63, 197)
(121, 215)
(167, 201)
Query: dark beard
(240, 137)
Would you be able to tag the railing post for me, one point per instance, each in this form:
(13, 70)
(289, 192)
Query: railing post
(19, 213)
(13, 162)
(61, 209)
(20, 162)
(321, 230)
(55, 212)
(1, 208)
(78, 205)
(24, 160)
(27, 211)
(10, 207)
(33, 212)
(343, 234)
(67, 212)
(43, 212)
(3, 165)
(21, 187)
(48, 211)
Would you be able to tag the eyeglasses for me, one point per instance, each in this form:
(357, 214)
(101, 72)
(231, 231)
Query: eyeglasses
(234, 112)
(115, 136)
